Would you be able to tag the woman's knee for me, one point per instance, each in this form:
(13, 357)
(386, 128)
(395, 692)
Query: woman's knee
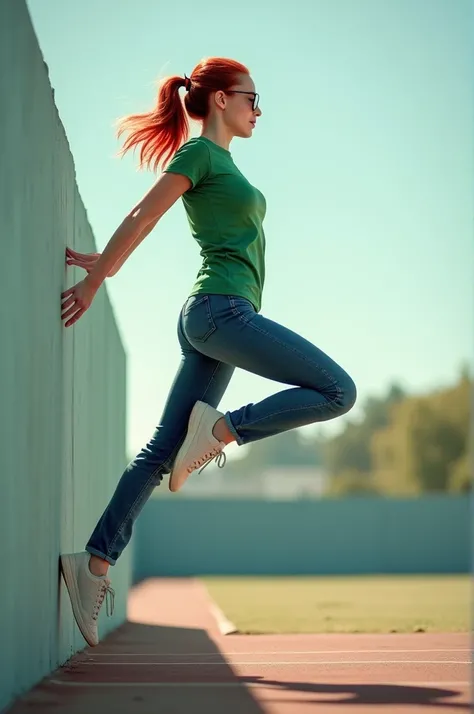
(347, 393)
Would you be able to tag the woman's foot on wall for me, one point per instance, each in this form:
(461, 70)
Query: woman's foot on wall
(87, 592)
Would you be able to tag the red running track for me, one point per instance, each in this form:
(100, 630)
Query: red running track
(170, 657)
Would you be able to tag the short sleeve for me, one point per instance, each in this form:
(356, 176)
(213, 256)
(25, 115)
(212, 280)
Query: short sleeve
(192, 160)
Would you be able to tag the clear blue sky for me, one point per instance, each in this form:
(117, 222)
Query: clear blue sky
(364, 153)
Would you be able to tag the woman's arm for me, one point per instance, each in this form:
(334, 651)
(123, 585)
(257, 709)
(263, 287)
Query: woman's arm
(88, 260)
(132, 247)
(137, 225)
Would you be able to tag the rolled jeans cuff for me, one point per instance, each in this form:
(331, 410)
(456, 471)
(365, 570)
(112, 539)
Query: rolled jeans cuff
(93, 551)
(232, 429)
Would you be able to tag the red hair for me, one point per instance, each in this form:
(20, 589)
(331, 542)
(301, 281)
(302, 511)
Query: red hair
(163, 130)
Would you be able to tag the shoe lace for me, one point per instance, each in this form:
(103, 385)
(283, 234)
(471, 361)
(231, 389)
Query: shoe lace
(216, 454)
(109, 593)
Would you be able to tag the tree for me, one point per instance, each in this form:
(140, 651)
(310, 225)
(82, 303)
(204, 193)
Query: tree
(460, 474)
(425, 443)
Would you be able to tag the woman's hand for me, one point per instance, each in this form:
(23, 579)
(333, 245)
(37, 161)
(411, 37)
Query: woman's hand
(76, 301)
(84, 260)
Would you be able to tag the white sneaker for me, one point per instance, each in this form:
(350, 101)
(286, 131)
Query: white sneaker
(200, 446)
(87, 592)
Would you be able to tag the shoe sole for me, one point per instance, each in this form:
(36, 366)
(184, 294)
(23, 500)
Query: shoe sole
(69, 574)
(194, 423)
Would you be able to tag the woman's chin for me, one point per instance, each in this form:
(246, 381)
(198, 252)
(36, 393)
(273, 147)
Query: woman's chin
(246, 133)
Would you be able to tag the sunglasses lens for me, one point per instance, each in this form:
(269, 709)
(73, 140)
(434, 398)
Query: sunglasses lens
(255, 102)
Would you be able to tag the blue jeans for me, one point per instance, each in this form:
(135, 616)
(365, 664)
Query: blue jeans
(218, 333)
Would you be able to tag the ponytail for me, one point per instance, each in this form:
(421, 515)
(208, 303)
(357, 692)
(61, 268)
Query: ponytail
(163, 130)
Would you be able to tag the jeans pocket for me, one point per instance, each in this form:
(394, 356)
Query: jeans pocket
(198, 323)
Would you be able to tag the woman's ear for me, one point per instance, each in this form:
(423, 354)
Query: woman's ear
(220, 99)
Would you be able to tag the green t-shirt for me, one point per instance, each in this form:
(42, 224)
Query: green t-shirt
(225, 213)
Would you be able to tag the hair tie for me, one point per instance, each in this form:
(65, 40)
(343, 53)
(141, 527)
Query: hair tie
(187, 83)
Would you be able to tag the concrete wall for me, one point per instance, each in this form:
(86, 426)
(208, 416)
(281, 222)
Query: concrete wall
(357, 535)
(62, 392)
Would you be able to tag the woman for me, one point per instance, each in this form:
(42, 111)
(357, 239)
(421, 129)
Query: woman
(220, 326)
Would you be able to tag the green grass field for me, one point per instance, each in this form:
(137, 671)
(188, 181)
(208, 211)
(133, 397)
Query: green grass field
(258, 605)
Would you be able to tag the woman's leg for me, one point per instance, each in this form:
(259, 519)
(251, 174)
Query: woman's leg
(230, 330)
(199, 377)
